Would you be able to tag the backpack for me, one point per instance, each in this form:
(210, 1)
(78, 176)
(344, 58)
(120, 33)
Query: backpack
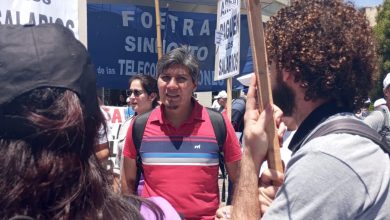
(219, 128)
(385, 130)
(350, 126)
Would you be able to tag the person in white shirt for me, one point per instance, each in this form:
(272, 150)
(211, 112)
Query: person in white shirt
(219, 103)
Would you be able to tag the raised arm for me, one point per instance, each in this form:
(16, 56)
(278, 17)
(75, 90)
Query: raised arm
(246, 203)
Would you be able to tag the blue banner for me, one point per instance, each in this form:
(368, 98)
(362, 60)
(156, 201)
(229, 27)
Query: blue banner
(122, 42)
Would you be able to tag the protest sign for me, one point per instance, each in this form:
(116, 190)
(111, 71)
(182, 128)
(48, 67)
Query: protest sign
(227, 59)
(15, 12)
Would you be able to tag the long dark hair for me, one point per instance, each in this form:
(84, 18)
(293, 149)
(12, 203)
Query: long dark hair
(54, 173)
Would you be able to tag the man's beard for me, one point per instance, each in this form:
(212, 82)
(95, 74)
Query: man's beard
(171, 107)
(283, 96)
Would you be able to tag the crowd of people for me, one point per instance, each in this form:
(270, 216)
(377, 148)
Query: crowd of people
(323, 61)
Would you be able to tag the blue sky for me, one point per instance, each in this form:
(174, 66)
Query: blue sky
(366, 3)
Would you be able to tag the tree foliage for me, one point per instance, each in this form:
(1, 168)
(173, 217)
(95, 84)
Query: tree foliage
(382, 32)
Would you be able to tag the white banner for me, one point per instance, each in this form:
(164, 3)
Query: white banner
(115, 116)
(227, 51)
(36, 12)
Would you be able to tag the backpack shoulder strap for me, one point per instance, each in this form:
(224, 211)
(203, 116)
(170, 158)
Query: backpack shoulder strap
(350, 126)
(219, 126)
(385, 112)
(139, 128)
(137, 134)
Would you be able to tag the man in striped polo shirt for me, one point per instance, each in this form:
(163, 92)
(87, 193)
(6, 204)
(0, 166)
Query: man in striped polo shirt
(179, 149)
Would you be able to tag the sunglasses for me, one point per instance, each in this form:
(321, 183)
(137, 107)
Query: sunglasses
(136, 92)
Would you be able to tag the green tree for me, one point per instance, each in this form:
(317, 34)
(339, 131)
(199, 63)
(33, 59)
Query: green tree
(382, 32)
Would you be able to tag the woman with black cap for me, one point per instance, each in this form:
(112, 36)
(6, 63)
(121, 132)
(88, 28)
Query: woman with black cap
(49, 119)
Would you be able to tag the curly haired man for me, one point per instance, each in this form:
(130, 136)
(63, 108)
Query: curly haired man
(323, 61)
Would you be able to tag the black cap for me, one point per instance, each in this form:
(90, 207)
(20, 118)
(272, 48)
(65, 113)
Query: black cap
(46, 55)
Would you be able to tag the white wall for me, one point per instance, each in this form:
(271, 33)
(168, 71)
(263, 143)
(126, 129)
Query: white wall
(204, 98)
(83, 37)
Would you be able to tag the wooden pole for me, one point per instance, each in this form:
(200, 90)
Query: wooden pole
(229, 86)
(82, 16)
(264, 92)
(158, 28)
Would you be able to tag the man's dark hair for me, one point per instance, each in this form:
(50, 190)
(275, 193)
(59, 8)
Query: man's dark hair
(182, 56)
(329, 47)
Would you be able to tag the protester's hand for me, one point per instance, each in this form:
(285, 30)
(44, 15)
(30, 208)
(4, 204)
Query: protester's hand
(256, 141)
(223, 213)
(270, 181)
(280, 125)
(282, 128)
(278, 115)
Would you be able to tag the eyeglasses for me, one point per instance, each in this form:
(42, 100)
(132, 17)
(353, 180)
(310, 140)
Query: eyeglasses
(136, 92)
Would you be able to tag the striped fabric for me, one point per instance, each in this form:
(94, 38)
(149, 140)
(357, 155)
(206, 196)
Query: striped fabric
(176, 150)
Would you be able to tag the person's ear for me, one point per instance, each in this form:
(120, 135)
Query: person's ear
(195, 87)
(152, 96)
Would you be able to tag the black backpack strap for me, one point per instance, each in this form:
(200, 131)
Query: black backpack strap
(219, 128)
(350, 126)
(137, 135)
